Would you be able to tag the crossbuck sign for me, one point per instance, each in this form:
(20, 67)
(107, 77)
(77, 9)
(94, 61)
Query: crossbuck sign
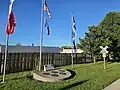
(104, 51)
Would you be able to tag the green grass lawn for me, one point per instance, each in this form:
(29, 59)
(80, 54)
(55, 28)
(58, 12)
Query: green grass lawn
(88, 77)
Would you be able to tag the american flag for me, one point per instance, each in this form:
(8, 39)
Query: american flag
(73, 32)
(47, 9)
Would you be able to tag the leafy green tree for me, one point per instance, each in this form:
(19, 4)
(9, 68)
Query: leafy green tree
(106, 33)
(90, 44)
(111, 28)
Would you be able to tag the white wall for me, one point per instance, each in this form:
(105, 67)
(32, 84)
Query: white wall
(70, 51)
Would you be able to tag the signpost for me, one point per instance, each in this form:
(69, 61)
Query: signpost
(104, 52)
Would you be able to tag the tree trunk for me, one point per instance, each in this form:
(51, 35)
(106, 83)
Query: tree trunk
(94, 59)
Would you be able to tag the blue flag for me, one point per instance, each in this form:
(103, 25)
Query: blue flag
(47, 27)
(73, 32)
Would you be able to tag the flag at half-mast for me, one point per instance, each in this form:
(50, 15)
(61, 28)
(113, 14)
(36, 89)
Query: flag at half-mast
(46, 8)
(11, 20)
(73, 33)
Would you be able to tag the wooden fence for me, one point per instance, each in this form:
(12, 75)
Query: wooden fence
(17, 62)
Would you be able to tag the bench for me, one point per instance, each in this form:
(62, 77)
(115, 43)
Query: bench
(48, 67)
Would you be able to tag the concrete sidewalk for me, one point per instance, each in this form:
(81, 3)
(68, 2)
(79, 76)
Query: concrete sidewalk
(114, 86)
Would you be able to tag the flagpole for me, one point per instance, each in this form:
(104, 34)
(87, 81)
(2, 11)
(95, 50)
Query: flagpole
(41, 33)
(72, 56)
(7, 40)
(6, 49)
(72, 43)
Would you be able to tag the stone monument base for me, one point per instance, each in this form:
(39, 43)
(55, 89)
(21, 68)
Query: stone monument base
(52, 75)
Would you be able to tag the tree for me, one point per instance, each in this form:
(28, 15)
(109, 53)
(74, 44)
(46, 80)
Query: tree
(90, 44)
(111, 28)
(106, 33)
(18, 44)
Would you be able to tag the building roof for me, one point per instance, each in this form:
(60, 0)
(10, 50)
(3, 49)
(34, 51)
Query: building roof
(45, 49)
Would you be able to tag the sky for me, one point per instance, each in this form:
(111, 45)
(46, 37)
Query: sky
(28, 16)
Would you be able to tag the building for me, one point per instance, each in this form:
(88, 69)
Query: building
(70, 51)
(0, 48)
(30, 49)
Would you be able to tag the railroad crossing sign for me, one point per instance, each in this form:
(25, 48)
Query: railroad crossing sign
(104, 51)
